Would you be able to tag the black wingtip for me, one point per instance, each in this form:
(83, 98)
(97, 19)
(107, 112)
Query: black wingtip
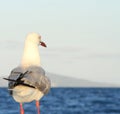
(5, 78)
(9, 79)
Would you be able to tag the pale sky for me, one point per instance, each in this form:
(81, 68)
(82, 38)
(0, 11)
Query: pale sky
(83, 36)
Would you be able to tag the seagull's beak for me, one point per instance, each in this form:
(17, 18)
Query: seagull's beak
(43, 44)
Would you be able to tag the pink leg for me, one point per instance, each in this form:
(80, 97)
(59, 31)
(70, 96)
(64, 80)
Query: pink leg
(21, 109)
(38, 107)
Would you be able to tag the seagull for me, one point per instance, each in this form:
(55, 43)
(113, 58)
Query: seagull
(28, 82)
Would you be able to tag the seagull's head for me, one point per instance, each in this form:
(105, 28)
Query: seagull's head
(36, 39)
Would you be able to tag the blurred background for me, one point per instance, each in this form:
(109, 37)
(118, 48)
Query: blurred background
(83, 50)
(82, 36)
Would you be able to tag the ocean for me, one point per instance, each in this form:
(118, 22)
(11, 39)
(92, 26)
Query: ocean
(68, 101)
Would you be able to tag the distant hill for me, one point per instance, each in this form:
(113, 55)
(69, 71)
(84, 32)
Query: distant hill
(64, 81)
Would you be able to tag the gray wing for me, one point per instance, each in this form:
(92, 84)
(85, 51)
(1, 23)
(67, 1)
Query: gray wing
(14, 75)
(34, 77)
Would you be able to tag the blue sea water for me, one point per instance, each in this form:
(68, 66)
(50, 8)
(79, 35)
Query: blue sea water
(68, 101)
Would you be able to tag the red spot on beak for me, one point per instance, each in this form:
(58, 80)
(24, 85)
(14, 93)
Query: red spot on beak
(43, 44)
